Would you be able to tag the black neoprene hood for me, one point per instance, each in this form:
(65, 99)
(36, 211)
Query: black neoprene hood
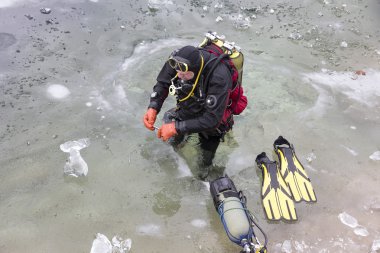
(191, 54)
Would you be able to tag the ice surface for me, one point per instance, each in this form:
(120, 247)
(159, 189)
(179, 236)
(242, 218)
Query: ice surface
(364, 89)
(286, 246)
(149, 229)
(75, 165)
(199, 223)
(6, 40)
(8, 3)
(89, 57)
(351, 151)
(348, 220)
(142, 50)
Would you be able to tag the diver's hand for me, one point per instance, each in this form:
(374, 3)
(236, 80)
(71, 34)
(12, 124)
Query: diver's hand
(166, 131)
(150, 118)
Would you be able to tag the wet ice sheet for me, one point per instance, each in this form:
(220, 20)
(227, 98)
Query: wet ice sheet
(362, 89)
(300, 58)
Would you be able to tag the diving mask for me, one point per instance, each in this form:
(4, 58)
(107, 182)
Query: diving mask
(178, 63)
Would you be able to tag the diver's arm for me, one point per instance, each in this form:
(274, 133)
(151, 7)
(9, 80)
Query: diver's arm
(161, 88)
(219, 85)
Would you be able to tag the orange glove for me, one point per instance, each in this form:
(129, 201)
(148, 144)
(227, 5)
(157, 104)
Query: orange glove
(150, 118)
(166, 131)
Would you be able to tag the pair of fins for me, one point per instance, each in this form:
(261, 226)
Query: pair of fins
(284, 183)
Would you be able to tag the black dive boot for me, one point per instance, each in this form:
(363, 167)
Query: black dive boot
(205, 163)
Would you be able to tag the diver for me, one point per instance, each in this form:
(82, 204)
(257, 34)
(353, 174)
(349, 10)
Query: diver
(202, 82)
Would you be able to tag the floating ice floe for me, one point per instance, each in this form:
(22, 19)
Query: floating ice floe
(375, 246)
(101, 244)
(75, 165)
(57, 91)
(348, 220)
(375, 156)
(45, 10)
(352, 222)
(361, 231)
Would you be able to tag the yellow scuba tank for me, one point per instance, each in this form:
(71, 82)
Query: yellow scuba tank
(229, 48)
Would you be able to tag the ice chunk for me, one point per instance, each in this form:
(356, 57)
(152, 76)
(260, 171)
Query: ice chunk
(375, 156)
(45, 10)
(343, 44)
(375, 246)
(75, 165)
(360, 230)
(218, 19)
(58, 91)
(310, 157)
(219, 6)
(295, 36)
(101, 244)
(120, 245)
(348, 220)
(286, 247)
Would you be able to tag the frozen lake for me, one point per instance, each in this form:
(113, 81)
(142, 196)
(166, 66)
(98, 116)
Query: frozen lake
(86, 70)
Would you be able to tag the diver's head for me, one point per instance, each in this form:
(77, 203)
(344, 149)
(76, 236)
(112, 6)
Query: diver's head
(186, 61)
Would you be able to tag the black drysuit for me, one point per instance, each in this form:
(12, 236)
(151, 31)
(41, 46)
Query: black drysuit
(195, 115)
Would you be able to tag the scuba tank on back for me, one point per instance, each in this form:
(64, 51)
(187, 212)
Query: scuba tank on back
(233, 51)
(231, 55)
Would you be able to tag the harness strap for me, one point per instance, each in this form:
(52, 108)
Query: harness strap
(219, 59)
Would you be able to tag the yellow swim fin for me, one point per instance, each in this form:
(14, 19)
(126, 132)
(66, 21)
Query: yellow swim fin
(276, 196)
(293, 172)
